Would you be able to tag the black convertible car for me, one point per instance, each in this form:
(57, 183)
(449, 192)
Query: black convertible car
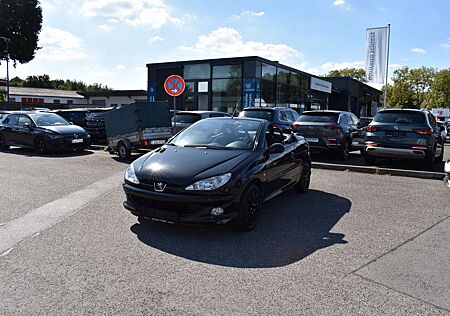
(218, 170)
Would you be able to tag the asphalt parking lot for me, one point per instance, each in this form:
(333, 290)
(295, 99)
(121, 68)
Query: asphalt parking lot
(354, 244)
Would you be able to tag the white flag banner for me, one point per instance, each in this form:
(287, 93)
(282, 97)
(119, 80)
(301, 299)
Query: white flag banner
(376, 45)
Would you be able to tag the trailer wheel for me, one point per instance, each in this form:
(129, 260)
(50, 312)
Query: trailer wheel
(124, 151)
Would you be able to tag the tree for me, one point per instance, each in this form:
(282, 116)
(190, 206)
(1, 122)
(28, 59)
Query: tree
(356, 73)
(2, 95)
(21, 21)
(439, 95)
(410, 87)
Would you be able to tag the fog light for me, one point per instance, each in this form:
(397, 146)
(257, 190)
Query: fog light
(217, 211)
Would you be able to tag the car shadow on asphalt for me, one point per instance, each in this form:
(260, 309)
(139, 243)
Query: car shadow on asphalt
(55, 154)
(291, 227)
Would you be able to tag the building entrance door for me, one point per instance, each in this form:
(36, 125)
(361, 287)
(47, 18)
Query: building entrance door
(196, 95)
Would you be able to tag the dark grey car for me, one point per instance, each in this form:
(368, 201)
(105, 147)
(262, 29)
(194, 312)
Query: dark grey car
(335, 132)
(279, 117)
(183, 119)
(404, 134)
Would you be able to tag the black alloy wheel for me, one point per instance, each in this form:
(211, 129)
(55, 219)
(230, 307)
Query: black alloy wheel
(428, 162)
(3, 145)
(248, 209)
(305, 179)
(123, 151)
(40, 145)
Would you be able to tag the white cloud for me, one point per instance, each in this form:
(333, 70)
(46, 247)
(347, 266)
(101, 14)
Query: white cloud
(248, 13)
(156, 39)
(153, 13)
(120, 67)
(418, 50)
(60, 45)
(339, 2)
(105, 27)
(47, 6)
(446, 44)
(341, 65)
(228, 42)
(395, 66)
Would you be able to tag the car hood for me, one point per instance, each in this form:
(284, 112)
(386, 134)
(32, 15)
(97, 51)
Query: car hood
(64, 129)
(182, 166)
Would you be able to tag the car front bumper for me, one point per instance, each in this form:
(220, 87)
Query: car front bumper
(66, 144)
(192, 209)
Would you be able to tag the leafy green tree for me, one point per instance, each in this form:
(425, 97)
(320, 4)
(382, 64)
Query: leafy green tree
(356, 73)
(2, 95)
(439, 95)
(21, 21)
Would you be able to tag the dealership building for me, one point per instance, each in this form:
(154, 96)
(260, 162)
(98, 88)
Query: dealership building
(228, 83)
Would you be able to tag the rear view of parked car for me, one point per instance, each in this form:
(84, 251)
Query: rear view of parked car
(183, 119)
(280, 117)
(334, 132)
(95, 124)
(404, 134)
(74, 116)
(42, 131)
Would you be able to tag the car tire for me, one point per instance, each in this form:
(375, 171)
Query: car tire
(302, 185)
(40, 145)
(441, 156)
(428, 162)
(369, 160)
(3, 144)
(123, 151)
(249, 207)
(344, 150)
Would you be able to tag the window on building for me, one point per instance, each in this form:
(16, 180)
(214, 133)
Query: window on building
(268, 85)
(56, 101)
(12, 100)
(69, 101)
(197, 71)
(227, 71)
(99, 102)
(226, 94)
(282, 86)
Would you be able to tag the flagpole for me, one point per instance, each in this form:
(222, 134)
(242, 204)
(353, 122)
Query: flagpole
(387, 65)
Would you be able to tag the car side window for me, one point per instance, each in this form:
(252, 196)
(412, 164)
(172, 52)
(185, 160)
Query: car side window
(432, 121)
(343, 119)
(354, 119)
(284, 117)
(23, 119)
(12, 119)
(295, 115)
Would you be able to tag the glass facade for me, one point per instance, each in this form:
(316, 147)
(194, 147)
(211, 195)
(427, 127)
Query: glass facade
(197, 71)
(227, 71)
(226, 94)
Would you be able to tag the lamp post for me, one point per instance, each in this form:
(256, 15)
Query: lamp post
(7, 40)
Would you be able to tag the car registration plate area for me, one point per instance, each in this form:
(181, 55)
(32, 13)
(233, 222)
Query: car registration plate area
(160, 215)
(77, 141)
(157, 142)
(395, 134)
(312, 140)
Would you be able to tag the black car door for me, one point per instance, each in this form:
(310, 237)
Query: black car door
(25, 134)
(10, 126)
(436, 134)
(278, 165)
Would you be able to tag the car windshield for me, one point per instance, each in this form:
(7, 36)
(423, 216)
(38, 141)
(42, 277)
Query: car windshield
(400, 117)
(225, 133)
(48, 119)
(260, 114)
(318, 117)
(187, 118)
(365, 121)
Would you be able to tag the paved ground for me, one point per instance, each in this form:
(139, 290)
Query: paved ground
(357, 159)
(355, 244)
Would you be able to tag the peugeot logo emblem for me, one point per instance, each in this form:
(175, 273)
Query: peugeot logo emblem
(159, 186)
(75, 136)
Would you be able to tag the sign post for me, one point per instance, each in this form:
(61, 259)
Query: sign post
(174, 86)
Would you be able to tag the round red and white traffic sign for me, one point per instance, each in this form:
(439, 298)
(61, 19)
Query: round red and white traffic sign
(174, 85)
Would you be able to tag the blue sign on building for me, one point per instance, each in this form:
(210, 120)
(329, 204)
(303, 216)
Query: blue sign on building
(151, 91)
(249, 92)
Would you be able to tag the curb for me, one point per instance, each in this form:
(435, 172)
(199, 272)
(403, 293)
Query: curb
(381, 171)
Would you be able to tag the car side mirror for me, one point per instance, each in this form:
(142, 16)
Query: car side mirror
(276, 148)
(359, 125)
(27, 125)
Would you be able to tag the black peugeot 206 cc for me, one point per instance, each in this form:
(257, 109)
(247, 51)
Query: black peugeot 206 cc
(217, 171)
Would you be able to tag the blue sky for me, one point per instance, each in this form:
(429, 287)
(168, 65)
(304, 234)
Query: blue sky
(110, 41)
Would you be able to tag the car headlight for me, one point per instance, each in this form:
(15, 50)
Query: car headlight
(210, 183)
(130, 175)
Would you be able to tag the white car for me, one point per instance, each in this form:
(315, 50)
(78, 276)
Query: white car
(444, 130)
